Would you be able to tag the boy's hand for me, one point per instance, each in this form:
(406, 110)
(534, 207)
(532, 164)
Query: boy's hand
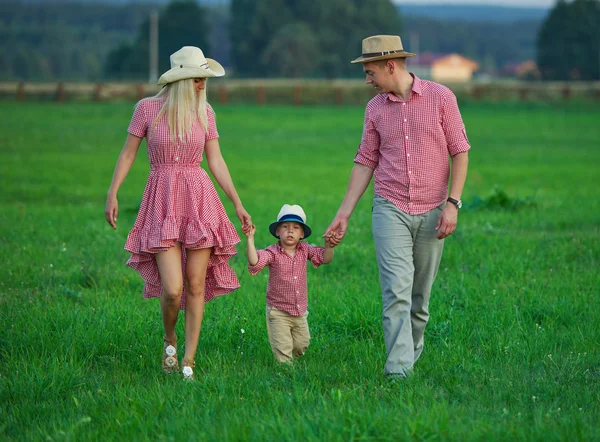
(329, 243)
(250, 231)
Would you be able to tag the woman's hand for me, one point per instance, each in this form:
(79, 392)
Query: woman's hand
(244, 218)
(251, 231)
(111, 211)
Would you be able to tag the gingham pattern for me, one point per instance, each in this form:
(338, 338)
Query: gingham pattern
(407, 143)
(287, 289)
(180, 204)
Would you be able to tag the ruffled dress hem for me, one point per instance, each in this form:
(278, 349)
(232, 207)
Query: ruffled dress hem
(193, 234)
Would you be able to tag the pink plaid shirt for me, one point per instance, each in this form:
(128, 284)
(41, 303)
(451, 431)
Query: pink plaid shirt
(407, 143)
(287, 289)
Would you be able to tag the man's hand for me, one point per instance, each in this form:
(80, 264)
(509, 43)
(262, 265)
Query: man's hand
(447, 221)
(336, 230)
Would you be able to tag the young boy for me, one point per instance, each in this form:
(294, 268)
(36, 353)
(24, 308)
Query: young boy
(287, 292)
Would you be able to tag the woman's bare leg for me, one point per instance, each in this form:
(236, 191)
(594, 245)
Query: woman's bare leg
(169, 267)
(195, 278)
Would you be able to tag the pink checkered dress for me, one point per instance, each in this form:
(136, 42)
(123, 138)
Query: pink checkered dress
(180, 204)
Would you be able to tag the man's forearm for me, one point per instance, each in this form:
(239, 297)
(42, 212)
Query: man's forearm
(359, 181)
(460, 163)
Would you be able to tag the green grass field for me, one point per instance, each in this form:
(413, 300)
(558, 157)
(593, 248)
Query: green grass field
(512, 348)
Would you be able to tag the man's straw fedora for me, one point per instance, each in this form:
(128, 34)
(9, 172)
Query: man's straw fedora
(382, 47)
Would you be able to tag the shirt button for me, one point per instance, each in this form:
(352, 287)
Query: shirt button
(176, 158)
(403, 104)
(295, 277)
(405, 120)
(410, 171)
(297, 291)
(407, 137)
(407, 154)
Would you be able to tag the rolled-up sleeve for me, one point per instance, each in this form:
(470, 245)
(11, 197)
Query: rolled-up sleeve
(368, 150)
(265, 258)
(139, 122)
(316, 255)
(454, 128)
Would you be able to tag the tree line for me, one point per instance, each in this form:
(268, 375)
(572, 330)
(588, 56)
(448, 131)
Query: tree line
(276, 38)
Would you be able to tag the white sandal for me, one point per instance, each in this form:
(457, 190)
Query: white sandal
(188, 369)
(169, 361)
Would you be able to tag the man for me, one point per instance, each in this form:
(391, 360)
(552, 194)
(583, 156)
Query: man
(410, 130)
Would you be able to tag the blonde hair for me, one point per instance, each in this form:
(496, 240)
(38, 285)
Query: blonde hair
(182, 107)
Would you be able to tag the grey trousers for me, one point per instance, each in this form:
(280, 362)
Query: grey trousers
(408, 257)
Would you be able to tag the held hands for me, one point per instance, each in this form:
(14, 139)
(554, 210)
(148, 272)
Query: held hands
(447, 221)
(251, 231)
(111, 211)
(336, 231)
(328, 243)
(244, 218)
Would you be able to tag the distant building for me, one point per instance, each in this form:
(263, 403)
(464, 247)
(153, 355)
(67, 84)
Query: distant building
(446, 68)
(526, 70)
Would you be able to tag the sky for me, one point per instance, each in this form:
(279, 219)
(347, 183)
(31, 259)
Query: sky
(521, 3)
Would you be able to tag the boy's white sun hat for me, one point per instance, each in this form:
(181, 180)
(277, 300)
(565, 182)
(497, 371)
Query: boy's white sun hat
(290, 213)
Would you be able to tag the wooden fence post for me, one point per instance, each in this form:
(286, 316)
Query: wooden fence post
(223, 94)
(477, 92)
(21, 91)
(298, 95)
(339, 96)
(60, 92)
(98, 92)
(523, 93)
(260, 95)
(139, 91)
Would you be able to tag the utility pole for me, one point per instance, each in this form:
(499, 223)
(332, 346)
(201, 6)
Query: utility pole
(414, 45)
(153, 46)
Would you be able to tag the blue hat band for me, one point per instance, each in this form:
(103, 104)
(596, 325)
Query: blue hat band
(291, 217)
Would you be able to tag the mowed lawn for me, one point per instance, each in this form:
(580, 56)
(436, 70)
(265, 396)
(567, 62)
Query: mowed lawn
(512, 348)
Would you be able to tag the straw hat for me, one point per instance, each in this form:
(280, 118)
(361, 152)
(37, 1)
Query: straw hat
(190, 62)
(382, 47)
(290, 213)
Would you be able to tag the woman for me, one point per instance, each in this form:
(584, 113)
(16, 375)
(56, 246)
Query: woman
(182, 239)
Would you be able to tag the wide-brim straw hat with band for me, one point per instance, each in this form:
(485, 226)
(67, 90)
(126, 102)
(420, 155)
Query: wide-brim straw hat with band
(190, 62)
(382, 47)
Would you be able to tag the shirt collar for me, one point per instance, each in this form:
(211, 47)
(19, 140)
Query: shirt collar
(416, 88)
(282, 250)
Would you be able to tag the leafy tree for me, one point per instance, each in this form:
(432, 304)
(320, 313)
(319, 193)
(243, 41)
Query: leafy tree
(569, 41)
(292, 51)
(116, 59)
(181, 23)
(243, 58)
(331, 31)
(64, 40)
